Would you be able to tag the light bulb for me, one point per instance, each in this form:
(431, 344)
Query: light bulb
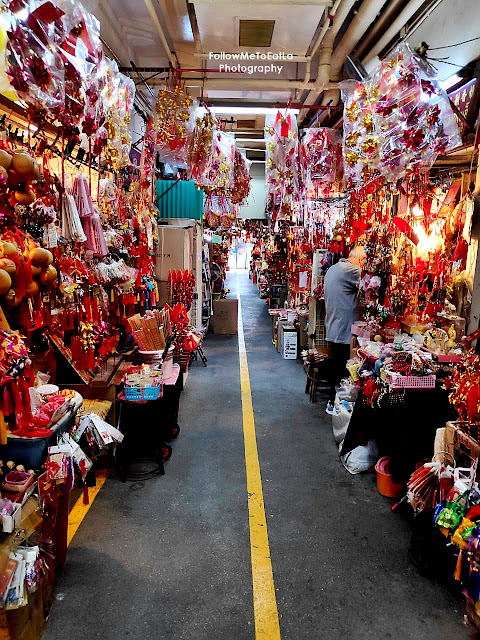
(417, 212)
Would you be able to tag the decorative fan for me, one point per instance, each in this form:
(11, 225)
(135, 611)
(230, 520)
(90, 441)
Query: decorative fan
(215, 272)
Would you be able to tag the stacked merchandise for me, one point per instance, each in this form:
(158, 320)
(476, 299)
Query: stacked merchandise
(148, 331)
(77, 244)
(445, 492)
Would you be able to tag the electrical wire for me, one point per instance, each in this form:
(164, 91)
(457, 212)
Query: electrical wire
(449, 46)
(442, 61)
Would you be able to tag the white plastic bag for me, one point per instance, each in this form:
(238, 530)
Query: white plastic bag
(361, 458)
(340, 419)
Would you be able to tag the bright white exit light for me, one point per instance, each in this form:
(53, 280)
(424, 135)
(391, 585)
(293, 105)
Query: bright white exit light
(450, 82)
(253, 111)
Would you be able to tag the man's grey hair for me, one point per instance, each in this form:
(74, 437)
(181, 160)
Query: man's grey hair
(357, 252)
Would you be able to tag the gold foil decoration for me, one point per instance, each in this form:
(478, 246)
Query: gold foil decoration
(352, 112)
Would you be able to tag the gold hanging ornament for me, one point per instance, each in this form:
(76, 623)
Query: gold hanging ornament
(352, 112)
(369, 146)
(351, 158)
(352, 139)
(367, 122)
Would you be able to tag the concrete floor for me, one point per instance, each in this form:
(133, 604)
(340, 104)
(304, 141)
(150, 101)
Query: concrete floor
(169, 558)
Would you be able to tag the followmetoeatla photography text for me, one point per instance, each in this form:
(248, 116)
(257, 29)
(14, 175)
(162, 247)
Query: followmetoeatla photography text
(251, 69)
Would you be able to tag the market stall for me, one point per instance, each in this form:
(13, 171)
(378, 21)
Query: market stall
(96, 324)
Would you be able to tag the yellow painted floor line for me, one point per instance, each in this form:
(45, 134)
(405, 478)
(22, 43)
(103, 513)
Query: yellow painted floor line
(267, 626)
(80, 510)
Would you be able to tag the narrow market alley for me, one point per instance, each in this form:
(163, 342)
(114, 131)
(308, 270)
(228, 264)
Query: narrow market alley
(169, 557)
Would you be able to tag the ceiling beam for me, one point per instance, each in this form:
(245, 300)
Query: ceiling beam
(305, 3)
(120, 44)
(153, 14)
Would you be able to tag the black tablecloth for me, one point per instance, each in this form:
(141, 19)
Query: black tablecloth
(405, 433)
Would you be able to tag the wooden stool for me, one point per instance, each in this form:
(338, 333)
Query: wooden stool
(313, 378)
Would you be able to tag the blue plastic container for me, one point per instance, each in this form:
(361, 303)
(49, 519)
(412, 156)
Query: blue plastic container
(135, 394)
(32, 452)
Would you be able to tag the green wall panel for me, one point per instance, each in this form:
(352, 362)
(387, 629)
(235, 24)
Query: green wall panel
(183, 200)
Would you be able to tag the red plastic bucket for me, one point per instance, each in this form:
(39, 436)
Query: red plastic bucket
(385, 486)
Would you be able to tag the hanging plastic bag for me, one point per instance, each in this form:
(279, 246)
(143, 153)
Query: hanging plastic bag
(218, 176)
(175, 113)
(360, 140)
(282, 166)
(323, 153)
(201, 146)
(241, 178)
(33, 64)
(412, 114)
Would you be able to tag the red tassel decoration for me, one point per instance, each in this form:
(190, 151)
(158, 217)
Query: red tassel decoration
(87, 301)
(7, 400)
(95, 311)
(27, 409)
(17, 404)
(458, 567)
(405, 228)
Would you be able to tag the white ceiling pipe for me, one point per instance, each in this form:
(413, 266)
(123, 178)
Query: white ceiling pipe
(394, 28)
(233, 81)
(305, 3)
(342, 9)
(380, 26)
(365, 16)
(208, 56)
(158, 26)
(319, 39)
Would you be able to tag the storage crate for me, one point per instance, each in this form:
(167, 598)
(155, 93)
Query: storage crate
(136, 394)
(32, 452)
(397, 381)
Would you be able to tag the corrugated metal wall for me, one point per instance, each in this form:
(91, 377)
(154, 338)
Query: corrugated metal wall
(183, 200)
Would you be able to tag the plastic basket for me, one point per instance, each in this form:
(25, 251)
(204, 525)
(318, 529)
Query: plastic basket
(397, 381)
(353, 371)
(135, 394)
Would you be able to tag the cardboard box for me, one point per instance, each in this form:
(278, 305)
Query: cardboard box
(288, 342)
(225, 316)
(174, 250)
(303, 333)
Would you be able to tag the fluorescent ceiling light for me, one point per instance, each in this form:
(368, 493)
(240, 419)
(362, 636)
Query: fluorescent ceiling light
(261, 140)
(253, 111)
(450, 82)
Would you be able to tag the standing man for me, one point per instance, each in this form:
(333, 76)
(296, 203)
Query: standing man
(341, 289)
